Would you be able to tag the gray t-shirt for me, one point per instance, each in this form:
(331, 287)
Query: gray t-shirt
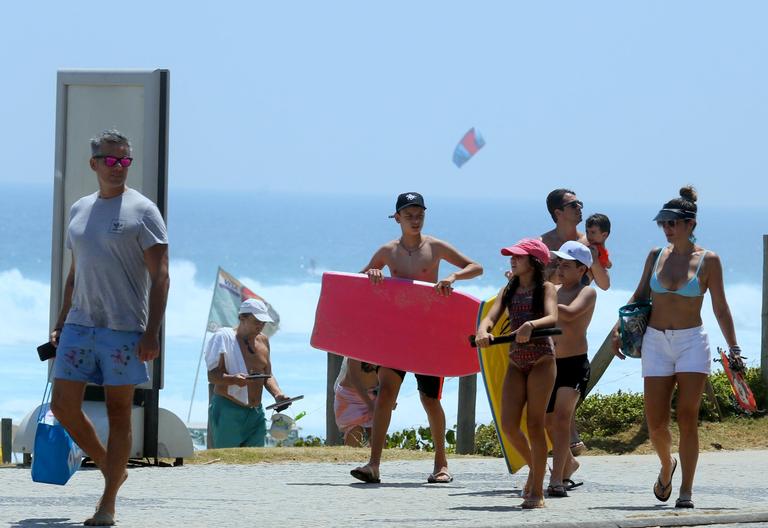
(108, 238)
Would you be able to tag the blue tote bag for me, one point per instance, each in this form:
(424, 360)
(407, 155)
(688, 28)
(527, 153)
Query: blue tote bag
(56, 456)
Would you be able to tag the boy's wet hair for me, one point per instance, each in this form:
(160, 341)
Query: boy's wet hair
(555, 201)
(601, 221)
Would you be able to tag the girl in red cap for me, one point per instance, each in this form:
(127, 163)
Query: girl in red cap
(531, 302)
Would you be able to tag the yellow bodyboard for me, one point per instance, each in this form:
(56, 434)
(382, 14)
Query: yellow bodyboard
(494, 361)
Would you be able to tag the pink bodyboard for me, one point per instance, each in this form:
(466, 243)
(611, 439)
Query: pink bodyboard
(400, 324)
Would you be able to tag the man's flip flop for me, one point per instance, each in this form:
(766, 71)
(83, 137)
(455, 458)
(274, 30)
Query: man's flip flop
(441, 477)
(683, 503)
(667, 490)
(366, 476)
(569, 484)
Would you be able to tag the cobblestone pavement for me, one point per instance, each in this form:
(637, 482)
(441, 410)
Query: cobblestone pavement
(730, 487)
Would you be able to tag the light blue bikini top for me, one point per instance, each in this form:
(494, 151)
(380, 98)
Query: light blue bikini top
(691, 288)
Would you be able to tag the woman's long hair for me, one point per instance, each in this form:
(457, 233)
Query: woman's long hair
(538, 288)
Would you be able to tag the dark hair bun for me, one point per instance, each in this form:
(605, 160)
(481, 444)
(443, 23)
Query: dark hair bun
(688, 193)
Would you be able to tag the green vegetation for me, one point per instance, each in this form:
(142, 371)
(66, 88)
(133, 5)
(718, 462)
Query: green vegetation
(602, 415)
(419, 439)
(487, 441)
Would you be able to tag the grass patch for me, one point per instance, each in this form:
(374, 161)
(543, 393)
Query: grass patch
(254, 455)
(732, 434)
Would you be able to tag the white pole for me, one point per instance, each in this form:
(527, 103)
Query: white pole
(202, 348)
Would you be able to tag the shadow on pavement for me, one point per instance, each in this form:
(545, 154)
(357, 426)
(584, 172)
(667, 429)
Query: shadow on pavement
(497, 509)
(490, 493)
(53, 521)
(658, 507)
(365, 485)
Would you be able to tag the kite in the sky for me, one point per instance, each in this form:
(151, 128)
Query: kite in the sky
(467, 147)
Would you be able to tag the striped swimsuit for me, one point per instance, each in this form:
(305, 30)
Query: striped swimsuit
(525, 355)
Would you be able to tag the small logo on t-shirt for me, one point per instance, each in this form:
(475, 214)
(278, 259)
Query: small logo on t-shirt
(117, 226)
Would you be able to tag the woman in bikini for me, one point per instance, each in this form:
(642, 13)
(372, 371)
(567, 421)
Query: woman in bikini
(675, 349)
(531, 302)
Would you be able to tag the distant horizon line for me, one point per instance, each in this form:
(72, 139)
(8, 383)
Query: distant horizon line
(495, 198)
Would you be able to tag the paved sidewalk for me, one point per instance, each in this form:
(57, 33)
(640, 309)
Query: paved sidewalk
(731, 486)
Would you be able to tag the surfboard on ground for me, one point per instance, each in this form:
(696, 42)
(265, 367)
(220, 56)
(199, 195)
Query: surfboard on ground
(400, 324)
(494, 361)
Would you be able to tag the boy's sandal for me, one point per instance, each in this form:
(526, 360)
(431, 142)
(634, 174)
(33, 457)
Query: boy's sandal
(569, 484)
(557, 490)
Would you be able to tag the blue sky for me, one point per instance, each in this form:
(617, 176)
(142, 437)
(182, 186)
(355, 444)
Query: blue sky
(619, 100)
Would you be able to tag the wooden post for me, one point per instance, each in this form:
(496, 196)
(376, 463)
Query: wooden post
(710, 391)
(465, 415)
(6, 443)
(764, 344)
(332, 433)
(600, 363)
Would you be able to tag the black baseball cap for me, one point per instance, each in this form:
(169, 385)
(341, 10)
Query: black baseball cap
(408, 199)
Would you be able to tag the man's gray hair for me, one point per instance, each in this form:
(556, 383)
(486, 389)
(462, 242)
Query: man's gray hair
(111, 136)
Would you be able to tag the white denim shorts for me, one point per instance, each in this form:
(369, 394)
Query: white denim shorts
(667, 352)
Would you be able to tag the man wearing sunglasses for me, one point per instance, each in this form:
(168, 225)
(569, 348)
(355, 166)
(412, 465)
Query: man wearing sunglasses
(114, 301)
(566, 211)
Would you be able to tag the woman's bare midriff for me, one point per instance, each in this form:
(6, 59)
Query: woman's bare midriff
(674, 312)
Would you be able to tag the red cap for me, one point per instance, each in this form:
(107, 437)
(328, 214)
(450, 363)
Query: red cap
(529, 246)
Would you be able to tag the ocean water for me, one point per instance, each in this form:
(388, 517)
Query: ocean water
(279, 244)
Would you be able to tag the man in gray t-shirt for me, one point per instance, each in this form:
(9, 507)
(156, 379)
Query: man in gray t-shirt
(114, 301)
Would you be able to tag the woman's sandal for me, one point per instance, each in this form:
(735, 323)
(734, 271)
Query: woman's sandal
(666, 490)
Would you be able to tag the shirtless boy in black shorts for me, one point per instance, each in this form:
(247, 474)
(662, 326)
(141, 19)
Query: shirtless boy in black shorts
(575, 303)
(413, 256)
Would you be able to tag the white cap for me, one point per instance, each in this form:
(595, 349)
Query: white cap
(257, 308)
(573, 250)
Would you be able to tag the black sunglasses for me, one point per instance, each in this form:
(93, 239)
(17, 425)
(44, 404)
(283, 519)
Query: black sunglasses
(111, 161)
(670, 223)
(577, 204)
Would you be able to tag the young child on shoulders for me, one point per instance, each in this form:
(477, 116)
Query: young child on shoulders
(598, 230)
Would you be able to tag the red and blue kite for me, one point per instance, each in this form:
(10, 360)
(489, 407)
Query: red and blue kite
(467, 147)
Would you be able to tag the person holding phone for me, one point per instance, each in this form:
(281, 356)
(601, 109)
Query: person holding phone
(235, 413)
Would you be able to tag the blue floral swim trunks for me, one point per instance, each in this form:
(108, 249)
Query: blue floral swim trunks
(99, 355)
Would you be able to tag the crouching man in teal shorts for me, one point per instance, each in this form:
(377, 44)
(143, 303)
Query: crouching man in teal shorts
(235, 414)
(114, 301)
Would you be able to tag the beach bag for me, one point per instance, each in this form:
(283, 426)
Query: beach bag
(633, 320)
(56, 456)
